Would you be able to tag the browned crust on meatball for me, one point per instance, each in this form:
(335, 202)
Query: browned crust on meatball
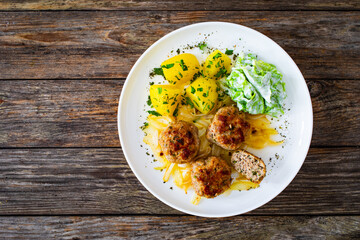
(228, 128)
(210, 177)
(180, 142)
(252, 167)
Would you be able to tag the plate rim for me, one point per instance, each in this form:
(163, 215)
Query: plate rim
(121, 105)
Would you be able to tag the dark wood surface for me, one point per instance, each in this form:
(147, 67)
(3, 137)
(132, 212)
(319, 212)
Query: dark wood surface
(99, 181)
(48, 45)
(62, 171)
(9, 5)
(181, 227)
(37, 113)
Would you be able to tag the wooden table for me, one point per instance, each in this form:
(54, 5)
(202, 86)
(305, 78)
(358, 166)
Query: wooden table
(62, 171)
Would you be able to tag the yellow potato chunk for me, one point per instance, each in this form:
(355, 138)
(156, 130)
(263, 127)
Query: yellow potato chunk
(202, 92)
(217, 65)
(179, 70)
(165, 98)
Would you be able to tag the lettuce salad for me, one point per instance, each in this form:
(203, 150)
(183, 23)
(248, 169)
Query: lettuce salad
(256, 86)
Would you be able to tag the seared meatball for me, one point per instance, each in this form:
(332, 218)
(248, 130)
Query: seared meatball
(228, 129)
(252, 167)
(210, 177)
(180, 142)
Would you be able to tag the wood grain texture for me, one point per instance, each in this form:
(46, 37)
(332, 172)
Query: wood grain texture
(99, 181)
(59, 149)
(80, 44)
(172, 227)
(177, 5)
(59, 113)
(73, 113)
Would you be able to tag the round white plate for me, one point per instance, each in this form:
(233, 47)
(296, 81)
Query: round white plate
(283, 162)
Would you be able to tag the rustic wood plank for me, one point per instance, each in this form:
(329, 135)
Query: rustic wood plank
(72, 113)
(80, 44)
(59, 113)
(9, 5)
(99, 181)
(150, 227)
(336, 109)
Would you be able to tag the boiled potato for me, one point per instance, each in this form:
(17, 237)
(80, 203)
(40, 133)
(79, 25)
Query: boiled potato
(202, 92)
(165, 98)
(179, 70)
(217, 65)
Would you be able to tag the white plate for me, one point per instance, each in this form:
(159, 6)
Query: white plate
(296, 123)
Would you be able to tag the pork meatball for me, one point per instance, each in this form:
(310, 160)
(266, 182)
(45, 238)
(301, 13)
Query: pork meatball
(228, 128)
(210, 177)
(252, 167)
(180, 142)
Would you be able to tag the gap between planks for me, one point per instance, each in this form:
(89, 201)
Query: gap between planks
(186, 10)
(180, 215)
(124, 79)
(39, 148)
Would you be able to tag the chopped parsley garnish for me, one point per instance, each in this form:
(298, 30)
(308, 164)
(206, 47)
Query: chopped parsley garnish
(176, 111)
(235, 56)
(144, 126)
(159, 90)
(192, 89)
(167, 66)
(148, 102)
(151, 83)
(178, 51)
(196, 75)
(206, 105)
(217, 56)
(189, 102)
(156, 71)
(155, 113)
(197, 103)
(183, 66)
(200, 89)
(229, 52)
(222, 73)
(202, 45)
